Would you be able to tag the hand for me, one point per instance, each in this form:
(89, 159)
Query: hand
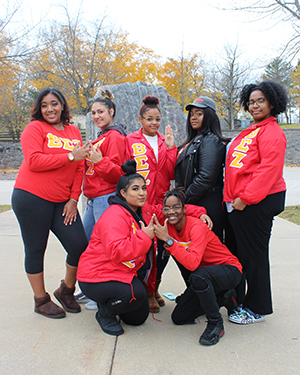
(70, 212)
(81, 153)
(206, 219)
(149, 230)
(95, 154)
(238, 204)
(169, 137)
(160, 231)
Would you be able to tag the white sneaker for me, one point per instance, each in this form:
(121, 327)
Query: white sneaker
(81, 297)
(245, 316)
(91, 305)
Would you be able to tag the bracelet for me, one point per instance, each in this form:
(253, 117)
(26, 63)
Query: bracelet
(74, 200)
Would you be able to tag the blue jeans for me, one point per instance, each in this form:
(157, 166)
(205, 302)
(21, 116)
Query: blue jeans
(94, 209)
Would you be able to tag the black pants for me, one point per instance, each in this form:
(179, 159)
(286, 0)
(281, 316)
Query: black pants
(201, 297)
(161, 259)
(212, 202)
(36, 218)
(252, 231)
(126, 300)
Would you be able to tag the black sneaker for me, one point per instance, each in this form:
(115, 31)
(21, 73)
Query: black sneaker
(212, 333)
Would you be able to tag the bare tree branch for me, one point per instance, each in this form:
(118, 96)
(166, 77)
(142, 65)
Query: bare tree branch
(277, 10)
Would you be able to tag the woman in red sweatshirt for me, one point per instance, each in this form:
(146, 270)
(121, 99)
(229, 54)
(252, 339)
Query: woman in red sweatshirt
(214, 270)
(156, 157)
(121, 257)
(45, 197)
(254, 192)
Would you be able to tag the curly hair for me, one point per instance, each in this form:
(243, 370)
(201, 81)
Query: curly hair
(36, 113)
(149, 102)
(106, 98)
(274, 93)
(176, 192)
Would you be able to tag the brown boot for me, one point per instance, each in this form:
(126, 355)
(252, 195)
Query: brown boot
(153, 304)
(46, 307)
(66, 297)
(158, 297)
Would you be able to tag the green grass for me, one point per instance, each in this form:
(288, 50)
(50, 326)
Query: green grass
(5, 207)
(289, 126)
(291, 213)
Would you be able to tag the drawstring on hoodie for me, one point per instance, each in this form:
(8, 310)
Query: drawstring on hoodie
(133, 297)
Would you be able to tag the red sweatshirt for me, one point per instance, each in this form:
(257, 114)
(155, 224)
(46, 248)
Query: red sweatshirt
(254, 164)
(156, 173)
(118, 247)
(101, 178)
(46, 170)
(197, 246)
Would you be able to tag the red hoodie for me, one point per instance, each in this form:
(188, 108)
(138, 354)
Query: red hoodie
(101, 178)
(254, 164)
(157, 174)
(118, 247)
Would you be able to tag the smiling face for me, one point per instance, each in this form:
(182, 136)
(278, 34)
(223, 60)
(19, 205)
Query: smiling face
(174, 212)
(150, 121)
(135, 194)
(102, 117)
(196, 118)
(259, 111)
(51, 109)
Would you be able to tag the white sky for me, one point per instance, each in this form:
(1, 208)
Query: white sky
(167, 26)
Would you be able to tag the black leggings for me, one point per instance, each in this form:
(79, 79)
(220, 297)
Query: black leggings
(212, 202)
(36, 218)
(126, 300)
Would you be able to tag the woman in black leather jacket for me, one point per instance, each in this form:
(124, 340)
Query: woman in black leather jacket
(201, 157)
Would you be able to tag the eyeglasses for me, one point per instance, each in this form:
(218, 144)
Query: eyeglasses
(150, 119)
(258, 102)
(175, 208)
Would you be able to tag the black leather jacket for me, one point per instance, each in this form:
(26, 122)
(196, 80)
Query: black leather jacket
(199, 167)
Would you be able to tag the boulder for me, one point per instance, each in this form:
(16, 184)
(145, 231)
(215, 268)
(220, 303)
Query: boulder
(128, 98)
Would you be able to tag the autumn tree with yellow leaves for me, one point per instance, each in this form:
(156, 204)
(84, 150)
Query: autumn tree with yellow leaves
(184, 78)
(79, 58)
(14, 84)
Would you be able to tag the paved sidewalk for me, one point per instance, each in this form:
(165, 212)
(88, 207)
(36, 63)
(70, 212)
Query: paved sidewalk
(32, 344)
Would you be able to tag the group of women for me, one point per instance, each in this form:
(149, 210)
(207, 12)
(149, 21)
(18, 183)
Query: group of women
(133, 221)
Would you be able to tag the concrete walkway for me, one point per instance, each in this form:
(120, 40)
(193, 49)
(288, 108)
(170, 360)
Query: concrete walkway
(32, 344)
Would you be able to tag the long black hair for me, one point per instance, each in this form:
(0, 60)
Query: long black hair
(210, 124)
(274, 93)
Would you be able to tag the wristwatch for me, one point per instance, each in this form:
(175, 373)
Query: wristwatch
(71, 156)
(169, 242)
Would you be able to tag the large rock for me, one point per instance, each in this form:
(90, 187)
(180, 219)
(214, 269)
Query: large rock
(128, 98)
